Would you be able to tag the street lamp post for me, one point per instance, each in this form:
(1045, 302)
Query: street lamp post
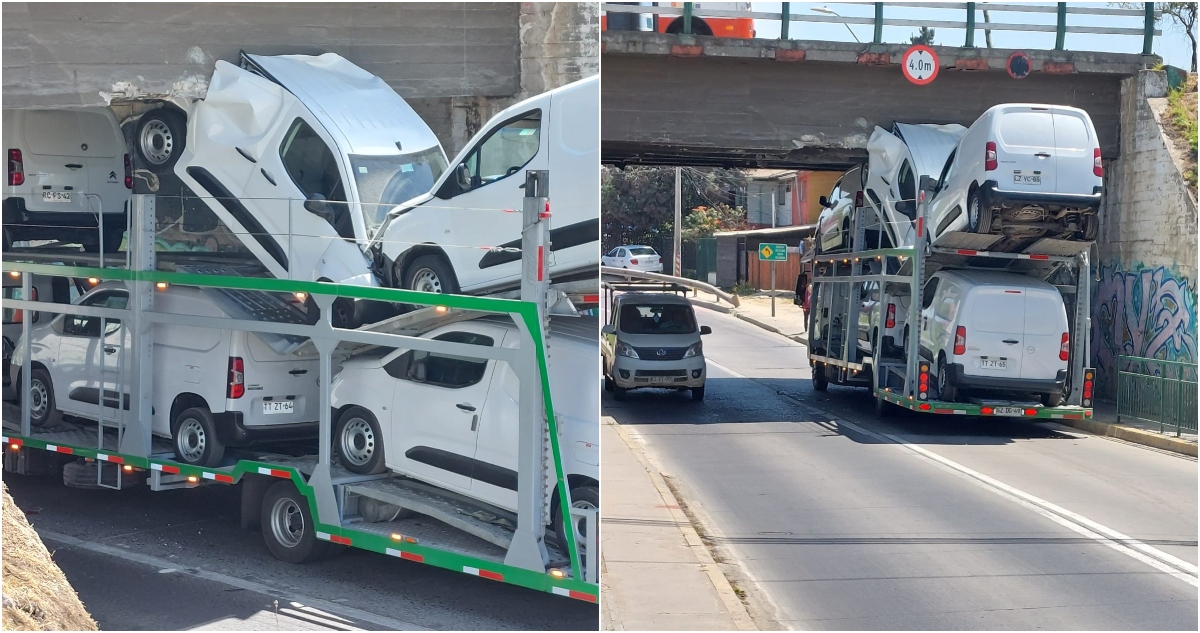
(828, 11)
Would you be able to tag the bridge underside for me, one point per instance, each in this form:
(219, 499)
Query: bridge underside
(734, 104)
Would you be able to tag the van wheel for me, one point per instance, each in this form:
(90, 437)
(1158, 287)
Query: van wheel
(1052, 399)
(42, 409)
(160, 139)
(697, 394)
(946, 390)
(1090, 226)
(819, 379)
(359, 442)
(347, 313)
(608, 383)
(584, 497)
(194, 433)
(288, 527)
(430, 273)
(979, 219)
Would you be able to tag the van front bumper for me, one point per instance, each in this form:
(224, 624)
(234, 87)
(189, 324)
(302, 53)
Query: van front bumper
(991, 195)
(962, 380)
(633, 373)
(232, 432)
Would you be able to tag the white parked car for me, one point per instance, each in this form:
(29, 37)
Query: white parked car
(898, 159)
(837, 209)
(439, 241)
(653, 341)
(642, 258)
(65, 167)
(987, 332)
(453, 421)
(212, 388)
(1027, 169)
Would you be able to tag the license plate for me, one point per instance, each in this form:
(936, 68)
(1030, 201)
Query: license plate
(1009, 411)
(56, 196)
(992, 363)
(272, 407)
(661, 380)
(1022, 179)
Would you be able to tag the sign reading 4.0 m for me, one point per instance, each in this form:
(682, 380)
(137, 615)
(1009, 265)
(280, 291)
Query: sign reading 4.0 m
(772, 252)
(920, 64)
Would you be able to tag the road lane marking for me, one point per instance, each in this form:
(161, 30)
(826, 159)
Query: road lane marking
(1127, 545)
(166, 566)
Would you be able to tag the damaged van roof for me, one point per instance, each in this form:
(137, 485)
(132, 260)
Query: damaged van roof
(369, 116)
(930, 145)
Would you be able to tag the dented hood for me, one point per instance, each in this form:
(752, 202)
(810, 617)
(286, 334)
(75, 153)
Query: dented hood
(930, 145)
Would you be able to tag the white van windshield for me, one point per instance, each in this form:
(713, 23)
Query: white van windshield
(385, 181)
(657, 319)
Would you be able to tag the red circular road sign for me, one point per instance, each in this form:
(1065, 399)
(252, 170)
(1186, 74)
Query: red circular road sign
(920, 64)
(1018, 65)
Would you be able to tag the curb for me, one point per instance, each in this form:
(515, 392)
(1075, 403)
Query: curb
(1136, 436)
(737, 610)
(709, 305)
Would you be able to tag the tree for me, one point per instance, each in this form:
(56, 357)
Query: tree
(637, 204)
(1181, 14)
(925, 36)
(704, 221)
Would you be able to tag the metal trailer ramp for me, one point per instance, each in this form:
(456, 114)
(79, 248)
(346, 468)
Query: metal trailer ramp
(490, 525)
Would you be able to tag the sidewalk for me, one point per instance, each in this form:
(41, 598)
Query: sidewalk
(656, 574)
(756, 309)
(1104, 422)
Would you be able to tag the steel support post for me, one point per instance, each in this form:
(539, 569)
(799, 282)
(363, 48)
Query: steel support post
(970, 43)
(1148, 40)
(676, 241)
(325, 339)
(878, 39)
(687, 18)
(136, 438)
(785, 21)
(26, 379)
(1060, 34)
(1083, 327)
(920, 252)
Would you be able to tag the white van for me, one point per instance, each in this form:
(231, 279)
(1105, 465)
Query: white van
(653, 341)
(898, 159)
(1032, 169)
(454, 421)
(42, 288)
(437, 242)
(212, 388)
(302, 157)
(65, 168)
(988, 331)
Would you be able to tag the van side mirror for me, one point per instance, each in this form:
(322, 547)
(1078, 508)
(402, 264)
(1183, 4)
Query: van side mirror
(704, 329)
(823, 201)
(463, 177)
(608, 329)
(318, 206)
(907, 207)
(929, 183)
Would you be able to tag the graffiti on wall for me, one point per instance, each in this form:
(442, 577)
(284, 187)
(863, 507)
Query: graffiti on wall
(1148, 312)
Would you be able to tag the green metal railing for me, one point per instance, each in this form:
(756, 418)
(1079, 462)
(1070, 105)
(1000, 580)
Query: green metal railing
(1157, 391)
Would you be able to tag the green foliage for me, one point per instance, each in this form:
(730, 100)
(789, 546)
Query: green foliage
(744, 289)
(924, 36)
(704, 221)
(637, 204)
(1181, 114)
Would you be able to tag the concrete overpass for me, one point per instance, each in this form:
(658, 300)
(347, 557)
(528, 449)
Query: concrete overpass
(695, 100)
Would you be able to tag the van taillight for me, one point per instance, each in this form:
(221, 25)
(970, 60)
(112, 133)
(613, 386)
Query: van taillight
(891, 316)
(989, 156)
(1064, 351)
(16, 168)
(237, 378)
(1097, 167)
(128, 171)
(960, 341)
(858, 200)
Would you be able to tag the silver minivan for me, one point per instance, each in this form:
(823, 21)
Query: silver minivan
(653, 341)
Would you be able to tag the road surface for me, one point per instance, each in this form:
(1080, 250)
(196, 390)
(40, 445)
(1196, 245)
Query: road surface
(839, 520)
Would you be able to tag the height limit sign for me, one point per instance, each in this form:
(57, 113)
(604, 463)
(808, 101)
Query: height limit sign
(920, 64)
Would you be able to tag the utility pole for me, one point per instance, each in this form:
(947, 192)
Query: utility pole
(678, 222)
(774, 212)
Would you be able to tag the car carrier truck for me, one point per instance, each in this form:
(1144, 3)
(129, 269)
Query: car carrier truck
(306, 504)
(866, 311)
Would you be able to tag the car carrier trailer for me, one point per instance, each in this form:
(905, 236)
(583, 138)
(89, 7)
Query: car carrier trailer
(307, 504)
(842, 351)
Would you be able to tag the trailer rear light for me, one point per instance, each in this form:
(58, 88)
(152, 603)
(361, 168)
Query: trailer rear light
(989, 156)
(557, 573)
(16, 168)
(924, 406)
(1097, 166)
(987, 411)
(237, 378)
(1064, 351)
(960, 341)
(15, 274)
(1089, 376)
(1030, 411)
(15, 447)
(128, 172)
(300, 296)
(923, 382)
(193, 479)
(633, 261)
(891, 316)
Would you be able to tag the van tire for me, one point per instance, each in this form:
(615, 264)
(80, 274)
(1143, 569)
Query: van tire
(288, 527)
(1052, 399)
(1089, 226)
(359, 442)
(819, 379)
(433, 273)
(40, 383)
(347, 313)
(697, 394)
(194, 438)
(159, 139)
(608, 383)
(979, 219)
(582, 496)
(946, 391)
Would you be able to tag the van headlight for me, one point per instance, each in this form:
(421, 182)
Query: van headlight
(623, 349)
(695, 350)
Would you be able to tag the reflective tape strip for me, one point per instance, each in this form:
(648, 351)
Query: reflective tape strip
(110, 458)
(405, 555)
(954, 411)
(274, 473)
(340, 540)
(571, 593)
(3, 440)
(225, 479)
(324, 536)
(60, 449)
(13, 441)
(165, 468)
(483, 573)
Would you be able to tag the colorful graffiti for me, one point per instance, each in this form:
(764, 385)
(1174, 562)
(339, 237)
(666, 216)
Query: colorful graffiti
(1149, 312)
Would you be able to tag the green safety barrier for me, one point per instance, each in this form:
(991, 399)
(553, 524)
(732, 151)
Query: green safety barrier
(1157, 391)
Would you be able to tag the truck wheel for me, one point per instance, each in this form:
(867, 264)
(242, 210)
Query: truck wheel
(819, 379)
(697, 394)
(347, 313)
(430, 273)
(194, 433)
(946, 390)
(160, 138)
(288, 527)
(979, 219)
(1052, 399)
(619, 393)
(359, 442)
(42, 411)
(883, 408)
(586, 497)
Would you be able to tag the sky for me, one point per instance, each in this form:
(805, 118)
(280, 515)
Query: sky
(1173, 45)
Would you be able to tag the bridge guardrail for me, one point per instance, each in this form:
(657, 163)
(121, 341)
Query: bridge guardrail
(1147, 391)
(1149, 15)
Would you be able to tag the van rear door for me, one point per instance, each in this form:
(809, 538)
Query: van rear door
(282, 389)
(56, 171)
(1025, 153)
(1045, 324)
(1075, 148)
(994, 334)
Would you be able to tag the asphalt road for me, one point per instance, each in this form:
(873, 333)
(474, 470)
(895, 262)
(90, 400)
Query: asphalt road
(840, 520)
(177, 559)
